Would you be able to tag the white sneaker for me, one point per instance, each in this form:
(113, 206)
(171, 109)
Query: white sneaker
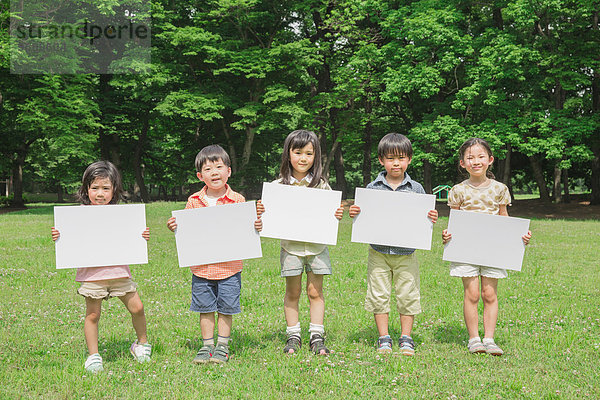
(93, 363)
(141, 352)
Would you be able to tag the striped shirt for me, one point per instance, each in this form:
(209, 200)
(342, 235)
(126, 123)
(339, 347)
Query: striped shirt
(407, 185)
(216, 271)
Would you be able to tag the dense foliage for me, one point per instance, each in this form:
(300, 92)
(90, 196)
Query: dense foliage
(243, 73)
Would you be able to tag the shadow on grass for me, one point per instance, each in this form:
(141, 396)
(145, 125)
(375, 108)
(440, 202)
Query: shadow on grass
(451, 333)
(241, 340)
(115, 349)
(370, 335)
(34, 209)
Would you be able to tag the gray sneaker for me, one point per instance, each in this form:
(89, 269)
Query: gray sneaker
(476, 347)
(221, 354)
(493, 349)
(204, 355)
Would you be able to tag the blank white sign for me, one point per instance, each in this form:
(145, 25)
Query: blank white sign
(97, 236)
(486, 239)
(215, 234)
(300, 213)
(393, 218)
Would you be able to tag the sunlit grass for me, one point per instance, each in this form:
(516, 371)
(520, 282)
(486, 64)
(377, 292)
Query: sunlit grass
(548, 326)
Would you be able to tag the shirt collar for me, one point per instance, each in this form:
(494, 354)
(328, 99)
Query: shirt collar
(202, 194)
(308, 179)
(381, 178)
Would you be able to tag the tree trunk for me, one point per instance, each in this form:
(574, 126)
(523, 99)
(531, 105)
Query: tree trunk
(230, 146)
(367, 143)
(565, 182)
(250, 132)
(507, 171)
(137, 161)
(340, 178)
(556, 190)
(596, 176)
(109, 143)
(427, 182)
(17, 173)
(539, 178)
(60, 193)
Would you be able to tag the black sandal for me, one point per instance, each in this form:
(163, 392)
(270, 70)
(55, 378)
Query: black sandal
(317, 344)
(293, 343)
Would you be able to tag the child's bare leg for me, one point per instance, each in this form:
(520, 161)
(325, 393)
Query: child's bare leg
(489, 293)
(224, 325)
(314, 290)
(138, 318)
(293, 288)
(382, 323)
(207, 325)
(406, 322)
(471, 301)
(90, 325)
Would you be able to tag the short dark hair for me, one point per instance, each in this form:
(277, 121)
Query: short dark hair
(394, 143)
(213, 153)
(100, 169)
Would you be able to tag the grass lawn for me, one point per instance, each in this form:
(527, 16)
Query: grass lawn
(549, 326)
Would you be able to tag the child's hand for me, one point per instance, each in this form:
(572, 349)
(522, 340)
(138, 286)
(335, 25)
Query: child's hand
(339, 213)
(446, 236)
(171, 224)
(527, 238)
(146, 234)
(432, 215)
(260, 208)
(55, 234)
(354, 210)
(258, 224)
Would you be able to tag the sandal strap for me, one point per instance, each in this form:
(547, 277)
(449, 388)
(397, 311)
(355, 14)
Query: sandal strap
(317, 343)
(293, 343)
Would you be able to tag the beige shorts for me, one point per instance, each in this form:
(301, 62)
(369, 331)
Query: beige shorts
(292, 265)
(108, 288)
(385, 270)
(463, 270)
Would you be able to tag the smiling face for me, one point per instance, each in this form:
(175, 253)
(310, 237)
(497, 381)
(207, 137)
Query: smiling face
(100, 191)
(302, 160)
(476, 161)
(395, 165)
(215, 175)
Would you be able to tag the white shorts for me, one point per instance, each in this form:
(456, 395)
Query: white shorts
(467, 270)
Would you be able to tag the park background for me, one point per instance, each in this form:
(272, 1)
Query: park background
(523, 74)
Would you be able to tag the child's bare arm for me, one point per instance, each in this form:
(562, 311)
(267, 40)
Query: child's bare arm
(55, 234)
(171, 224)
(354, 210)
(146, 234)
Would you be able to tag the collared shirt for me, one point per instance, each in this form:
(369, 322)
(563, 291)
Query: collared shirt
(302, 249)
(407, 185)
(221, 270)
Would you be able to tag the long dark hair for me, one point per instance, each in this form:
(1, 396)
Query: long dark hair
(100, 169)
(297, 140)
(474, 142)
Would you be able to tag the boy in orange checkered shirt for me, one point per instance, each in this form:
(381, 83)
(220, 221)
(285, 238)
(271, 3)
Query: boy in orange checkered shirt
(215, 287)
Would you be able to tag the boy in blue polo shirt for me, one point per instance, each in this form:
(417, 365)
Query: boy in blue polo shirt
(394, 266)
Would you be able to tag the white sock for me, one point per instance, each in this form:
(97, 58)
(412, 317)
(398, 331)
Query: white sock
(208, 342)
(224, 340)
(487, 340)
(475, 339)
(293, 330)
(315, 328)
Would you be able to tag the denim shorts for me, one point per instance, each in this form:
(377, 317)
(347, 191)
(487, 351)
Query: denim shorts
(222, 296)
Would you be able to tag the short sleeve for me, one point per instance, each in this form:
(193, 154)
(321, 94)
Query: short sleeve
(503, 195)
(455, 196)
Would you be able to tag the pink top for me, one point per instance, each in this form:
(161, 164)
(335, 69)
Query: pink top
(102, 273)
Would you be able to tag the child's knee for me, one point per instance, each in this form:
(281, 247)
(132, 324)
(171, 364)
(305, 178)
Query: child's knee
(489, 295)
(93, 317)
(472, 295)
(314, 294)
